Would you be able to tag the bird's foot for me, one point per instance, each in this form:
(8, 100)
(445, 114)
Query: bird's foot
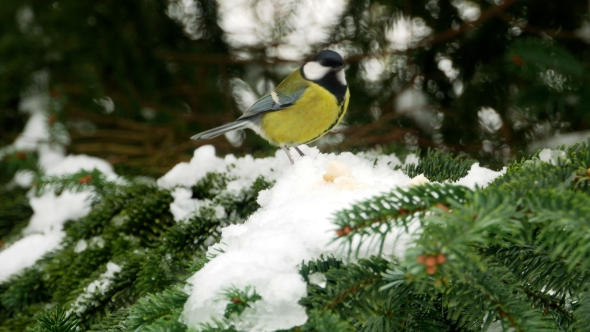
(286, 149)
(300, 153)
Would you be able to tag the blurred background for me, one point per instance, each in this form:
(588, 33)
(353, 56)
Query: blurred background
(131, 81)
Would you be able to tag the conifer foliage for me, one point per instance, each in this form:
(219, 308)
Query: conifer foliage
(512, 255)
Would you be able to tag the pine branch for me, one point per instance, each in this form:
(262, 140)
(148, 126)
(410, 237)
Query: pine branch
(439, 166)
(15, 212)
(326, 321)
(370, 221)
(346, 281)
(238, 300)
(23, 290)
(449, 235)
(13, 161)
(107, 212)
(56, 321)
(534, 55)
(166, 262)
(565, 230)
(162, 308)
(532, 174)
(493, 293)
(321, 265)
(551, 304)
(582, 310)
(77, 182)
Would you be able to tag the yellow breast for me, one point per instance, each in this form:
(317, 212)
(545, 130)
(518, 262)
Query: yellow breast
(311, 117)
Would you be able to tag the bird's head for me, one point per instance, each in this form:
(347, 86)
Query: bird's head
(325, 64)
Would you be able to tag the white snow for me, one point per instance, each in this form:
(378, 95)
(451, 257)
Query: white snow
(25, 252)
(552, 156)
(479, 176)
(76, 163)
(318, 279)
(203, 162)
(50, 211)
(418, 180)
(36, 135)
(250, 22)
(294, 224)
(558, 140)
(44, 231)
(98, 286)
(35, 132)
(24, 178)
(95, 242)
(184, 206)
(81, 246)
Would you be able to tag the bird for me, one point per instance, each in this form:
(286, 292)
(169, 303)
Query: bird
(305, 106)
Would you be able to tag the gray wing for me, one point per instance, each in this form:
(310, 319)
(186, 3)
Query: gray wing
(274, 101)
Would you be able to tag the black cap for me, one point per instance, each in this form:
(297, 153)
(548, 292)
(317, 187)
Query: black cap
(329, 58)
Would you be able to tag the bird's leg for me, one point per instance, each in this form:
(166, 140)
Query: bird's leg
(300, 153)
(286, 149)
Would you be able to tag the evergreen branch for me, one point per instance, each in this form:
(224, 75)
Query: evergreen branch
(218, 326)
(241, 205)
(449, 235)
(565, 232)
(239, 300)
(320, 265)
(106, 212)
(14, 161)
(57, 320)
(164, 307)
(376, 217)
(66, 286)
(112, 322)
(326, 321)
(347, 287)
(532, 174)
(23, 290)
(535, 52)
(582, 310)
(165, 263)
(211, 185)
(439, 166)
(548, 302)
(80, 181)
(15, 212)
(492, 291)
(537, 272)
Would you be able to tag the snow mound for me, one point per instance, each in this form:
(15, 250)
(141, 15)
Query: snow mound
(479, 176)
(294, 224)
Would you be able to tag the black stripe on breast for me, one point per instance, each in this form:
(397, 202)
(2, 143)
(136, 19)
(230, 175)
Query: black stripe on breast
(341, 104)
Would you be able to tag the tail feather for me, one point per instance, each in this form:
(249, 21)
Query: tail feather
(221, 130)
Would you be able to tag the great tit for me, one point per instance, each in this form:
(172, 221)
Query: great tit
(302, 108)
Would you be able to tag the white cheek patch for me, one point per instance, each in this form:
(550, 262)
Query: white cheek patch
(340, 77)
(314, 71)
